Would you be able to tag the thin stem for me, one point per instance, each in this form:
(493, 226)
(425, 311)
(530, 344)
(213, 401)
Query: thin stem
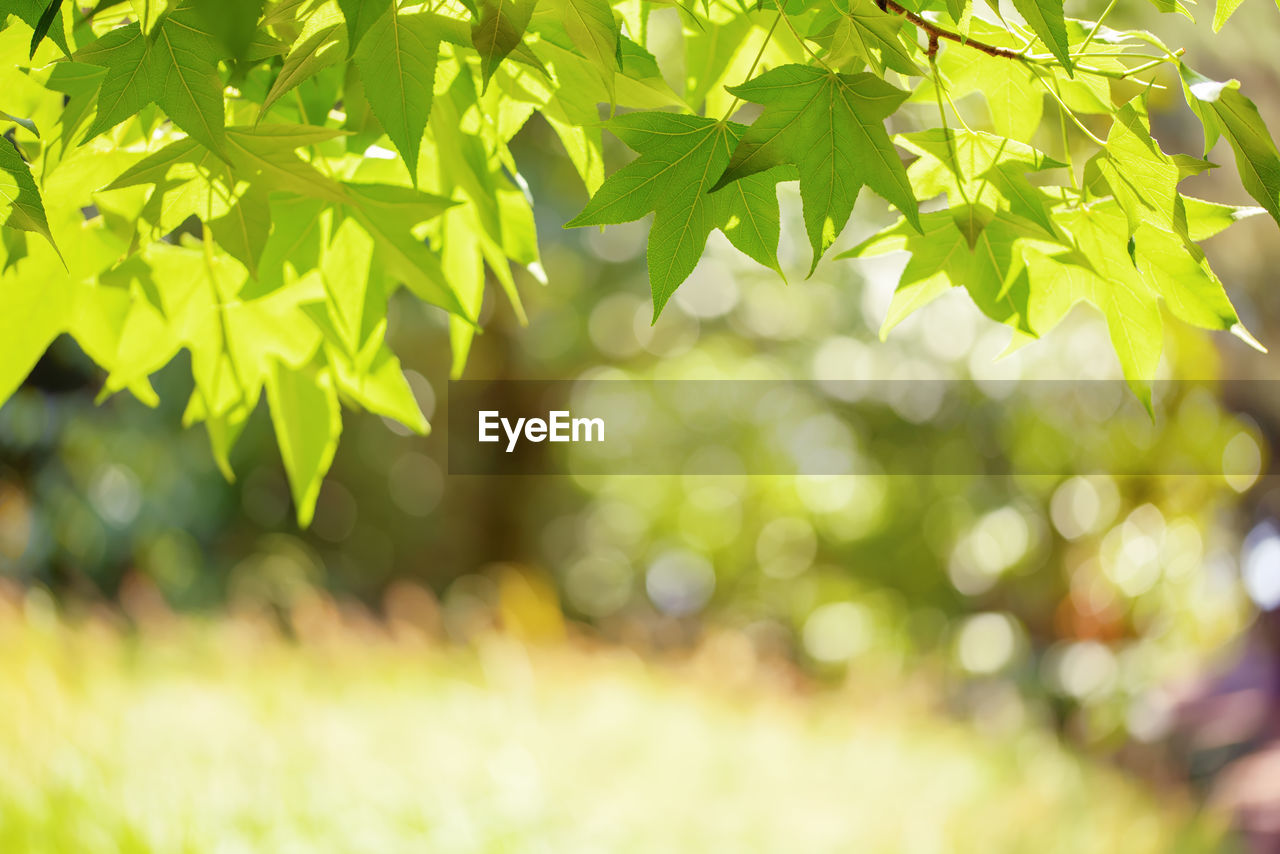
(1097, 25)
(1066, 149)
(936, 32)
(1066, 110)
(783, 16)
(942, 117)
(752, 70)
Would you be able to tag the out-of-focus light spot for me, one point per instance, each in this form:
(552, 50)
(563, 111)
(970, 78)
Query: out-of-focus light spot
(786, 547)
(377, 152)
(1131, 552)
(843, 366)
(599, 584)
(769, 311)
(823, 444)
(1261, 566)
(1149, 718)
(415, 483)
(999, 540)
(1081, 670)
(986, 643)
(1083, 505)
(1241, 461)
(680, 583)
(116, 495)
(708, 293)
(837, 631)
(949, 326)
(917, 391)
(881, 275)
(994, 372)
(673, 335)
(612, 325)
(617, 244)
(825, 493)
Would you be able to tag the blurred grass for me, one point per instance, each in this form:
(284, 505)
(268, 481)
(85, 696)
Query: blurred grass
(222, 737)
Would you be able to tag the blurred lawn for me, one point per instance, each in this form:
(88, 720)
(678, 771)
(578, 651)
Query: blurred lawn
(222, 737)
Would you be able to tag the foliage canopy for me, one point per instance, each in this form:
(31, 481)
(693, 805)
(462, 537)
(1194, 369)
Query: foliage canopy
(251, 180)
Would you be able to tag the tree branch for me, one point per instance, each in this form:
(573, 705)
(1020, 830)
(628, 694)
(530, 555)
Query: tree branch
(936, 32)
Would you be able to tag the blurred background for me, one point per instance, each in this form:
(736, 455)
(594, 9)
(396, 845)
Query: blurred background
(994, 662)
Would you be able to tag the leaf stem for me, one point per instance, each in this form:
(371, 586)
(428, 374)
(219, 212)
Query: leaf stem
(1097, 25)
(783, 17)
(752, 70)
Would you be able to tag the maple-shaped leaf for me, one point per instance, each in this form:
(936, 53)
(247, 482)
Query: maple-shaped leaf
(175, 66)
(397, 63)
(593, 31)
(1014, 94)
(360, 15)
(978, 168)
(859, 31)
(831, 127)
(1143, 179)
(131, 81)
(1126, 280)
(680, 158)
(987, 264)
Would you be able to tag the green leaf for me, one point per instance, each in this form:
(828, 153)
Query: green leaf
(859, 30)
(315, 51)
(1046, 19)
(244, 229)
(30, 317)
(1015, 98)
(308, 422)
(973, 167)
(397, 62)
(46, 20)
(1225, 9)
(42, 16)
(831, 127)
(1142, 177)
(190, 89)
(132, 80)
(497, 29)
(19, 194)
(233, 24)
(593, 31)
(360, 15)
(986, 261)
(680, 158)
(1236, 118)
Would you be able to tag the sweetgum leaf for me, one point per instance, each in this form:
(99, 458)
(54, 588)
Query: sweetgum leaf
(831, 128)
(680, 158)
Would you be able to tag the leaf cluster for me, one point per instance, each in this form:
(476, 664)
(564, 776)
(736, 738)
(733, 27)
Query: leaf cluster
(250, 180)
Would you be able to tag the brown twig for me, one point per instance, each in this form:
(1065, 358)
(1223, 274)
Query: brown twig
(936, 32)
